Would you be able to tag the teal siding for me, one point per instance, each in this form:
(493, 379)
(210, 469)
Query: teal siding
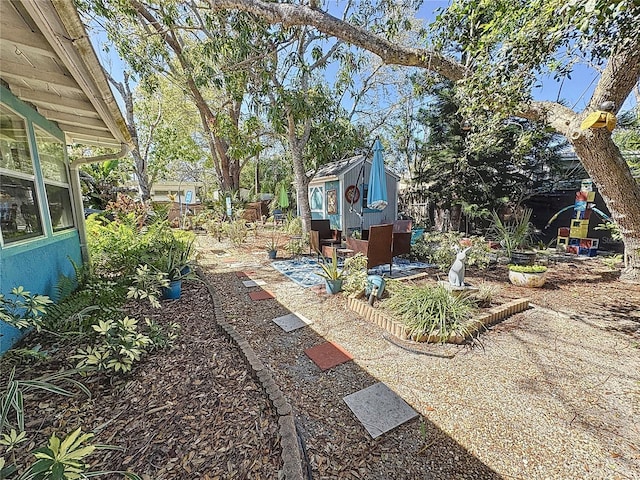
(37, 268)
(38, 263)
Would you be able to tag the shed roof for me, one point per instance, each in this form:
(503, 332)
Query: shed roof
(47, 60)
(335, 169)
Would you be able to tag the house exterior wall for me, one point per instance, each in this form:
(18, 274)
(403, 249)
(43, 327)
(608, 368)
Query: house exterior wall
(37, 260)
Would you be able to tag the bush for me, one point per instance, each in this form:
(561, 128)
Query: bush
(439, 248)
(430, 310)
(527, 268)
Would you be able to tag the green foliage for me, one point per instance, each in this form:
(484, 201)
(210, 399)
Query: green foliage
(120, 343)
(355, 274)
(273, 243)
(439, 248)
(612, 262)
(147, 284)
(12, 404)
(515, 234)
(98, 298)
(613, 228)
(430, 311)
(236, 231)
(451, 171)
(24, 310)
(293, 224)
(528, 268)
(331, 271)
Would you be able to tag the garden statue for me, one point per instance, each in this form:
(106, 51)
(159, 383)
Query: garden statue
(456, 272)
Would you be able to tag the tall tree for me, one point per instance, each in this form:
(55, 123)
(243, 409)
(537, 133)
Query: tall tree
(456, 179)
(187, 43)
(511, 42)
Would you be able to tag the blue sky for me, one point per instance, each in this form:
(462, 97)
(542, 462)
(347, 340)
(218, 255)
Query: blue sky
(575, 92)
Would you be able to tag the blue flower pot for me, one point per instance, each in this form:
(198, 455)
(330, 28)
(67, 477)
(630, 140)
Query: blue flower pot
(173, 291)
(272, 254)
(333, 286)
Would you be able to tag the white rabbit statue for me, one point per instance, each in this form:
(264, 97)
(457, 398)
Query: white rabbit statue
(456, 272)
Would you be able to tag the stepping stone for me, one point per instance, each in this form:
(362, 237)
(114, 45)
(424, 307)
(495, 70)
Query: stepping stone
(244, 274)
(253, 283)
(379, 409)
(291, 322)
(260, 295)
(327, 355)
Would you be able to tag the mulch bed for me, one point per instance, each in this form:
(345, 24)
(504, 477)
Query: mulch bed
(191, 412)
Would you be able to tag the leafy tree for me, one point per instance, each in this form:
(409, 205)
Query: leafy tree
(462, 181)
(511, 44)
(187, 44)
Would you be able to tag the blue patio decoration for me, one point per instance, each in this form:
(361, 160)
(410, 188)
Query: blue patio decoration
(374, 281)
(377, 193)
(305, 271)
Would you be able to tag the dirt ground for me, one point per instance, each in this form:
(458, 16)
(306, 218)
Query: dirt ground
(553, 392)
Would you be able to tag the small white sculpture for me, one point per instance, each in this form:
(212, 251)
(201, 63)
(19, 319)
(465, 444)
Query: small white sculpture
(456, 272)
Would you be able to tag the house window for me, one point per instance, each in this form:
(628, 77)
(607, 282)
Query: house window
(20, 216)
(51, 152)
(316, 199)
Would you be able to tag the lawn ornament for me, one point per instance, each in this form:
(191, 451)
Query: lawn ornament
(456, 272)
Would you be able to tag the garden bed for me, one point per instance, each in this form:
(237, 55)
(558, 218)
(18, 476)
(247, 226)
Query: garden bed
(484, 318)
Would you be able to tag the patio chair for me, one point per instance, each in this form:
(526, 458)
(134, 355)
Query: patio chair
(322, 234)
(377, 248)
(401, 237)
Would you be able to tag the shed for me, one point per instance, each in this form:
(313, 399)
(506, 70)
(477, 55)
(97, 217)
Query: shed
(53, 93)
(338, 192)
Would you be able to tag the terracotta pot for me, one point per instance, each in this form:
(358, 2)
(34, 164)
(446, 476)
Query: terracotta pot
(522, 279)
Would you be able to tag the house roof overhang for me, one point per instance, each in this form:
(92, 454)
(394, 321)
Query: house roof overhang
(47, 60)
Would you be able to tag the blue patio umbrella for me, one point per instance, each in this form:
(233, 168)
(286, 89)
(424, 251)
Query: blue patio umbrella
(377, 193)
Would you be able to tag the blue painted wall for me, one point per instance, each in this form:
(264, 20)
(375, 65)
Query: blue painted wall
(35, 264)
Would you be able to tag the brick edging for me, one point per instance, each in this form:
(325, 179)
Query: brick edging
(289, 442)
(475, 324)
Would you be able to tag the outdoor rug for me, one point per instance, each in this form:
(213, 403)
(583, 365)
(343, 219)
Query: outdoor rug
(305, 270)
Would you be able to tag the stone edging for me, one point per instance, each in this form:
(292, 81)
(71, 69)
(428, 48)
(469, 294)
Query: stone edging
(289, 442)
(475, 324)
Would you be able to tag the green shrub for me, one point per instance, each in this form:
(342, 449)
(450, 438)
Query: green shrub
(355, 274)
(24, 310)
(120, 343)
(430, 310)
(527, 268)
(439, 248)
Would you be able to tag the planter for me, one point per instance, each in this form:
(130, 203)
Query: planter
(524, 279)
(333, 286)
(271, 254)
(523, 258)
(173, 291)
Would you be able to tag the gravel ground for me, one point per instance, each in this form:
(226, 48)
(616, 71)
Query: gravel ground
(552, 393)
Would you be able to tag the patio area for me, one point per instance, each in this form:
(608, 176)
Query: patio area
(552, 392)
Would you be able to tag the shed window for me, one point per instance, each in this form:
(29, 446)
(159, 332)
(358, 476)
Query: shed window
(316, 199)
(20, 216)
(51, 152)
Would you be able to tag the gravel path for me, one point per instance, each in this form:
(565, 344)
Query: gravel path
(546, 396)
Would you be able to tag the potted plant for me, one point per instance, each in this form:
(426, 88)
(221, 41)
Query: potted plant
(528, 275)
(515, 237)
(272, 247)
(333, 276)
(177, 267)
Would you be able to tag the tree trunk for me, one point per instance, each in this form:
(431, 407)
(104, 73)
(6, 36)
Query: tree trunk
(302, 182)
(608, 169)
